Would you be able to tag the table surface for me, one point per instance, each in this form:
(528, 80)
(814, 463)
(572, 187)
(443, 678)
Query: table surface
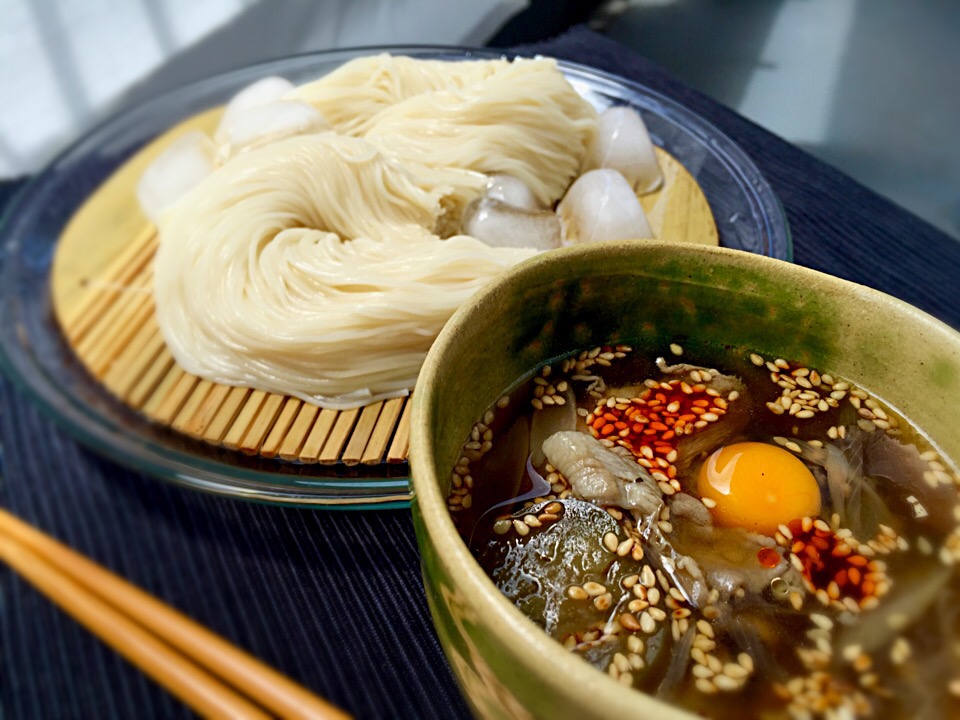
(334, 599)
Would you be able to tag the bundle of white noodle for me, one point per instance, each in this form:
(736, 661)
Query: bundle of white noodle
(519, 118)
(315, 265)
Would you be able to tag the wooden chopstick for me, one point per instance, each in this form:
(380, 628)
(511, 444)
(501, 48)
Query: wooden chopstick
(208, 673)
(187, 681)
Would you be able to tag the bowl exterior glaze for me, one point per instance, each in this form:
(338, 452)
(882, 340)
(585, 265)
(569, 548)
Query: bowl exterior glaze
(650, 293)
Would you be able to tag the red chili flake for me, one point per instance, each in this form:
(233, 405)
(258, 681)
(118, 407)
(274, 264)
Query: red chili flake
(657, 420)
(827, 558)
(768, 557)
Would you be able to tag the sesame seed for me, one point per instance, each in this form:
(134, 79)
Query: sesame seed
(629, 621)
(647, 578)
(725, 683)
(756, 359)
(594, 589)
(620, 660)
(704, 643)
(821, 621)
(899, 651)
(852, 652)
(531, 521)
(603, 602)
(676, 349)
(657, 614)
(735, 671)
(701, 671)
(610, 542)
(707, 687)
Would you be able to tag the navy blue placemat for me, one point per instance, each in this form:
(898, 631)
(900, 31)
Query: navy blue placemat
(335, 599)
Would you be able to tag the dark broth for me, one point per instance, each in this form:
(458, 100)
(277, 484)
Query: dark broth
(742, 624)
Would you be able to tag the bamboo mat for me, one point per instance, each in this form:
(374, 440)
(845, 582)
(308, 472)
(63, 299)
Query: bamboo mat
(102, 297)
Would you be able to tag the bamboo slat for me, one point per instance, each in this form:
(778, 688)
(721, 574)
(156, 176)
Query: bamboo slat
(128, 367)
(296, 436)
(238, 429)
(401, 438)
(310, 453)
(197, 424)
(161, 364)
(373, 452)
(361, 434)
(226, 413)
(192, 405)
(261, 425)
(338, 436)
(271, 446)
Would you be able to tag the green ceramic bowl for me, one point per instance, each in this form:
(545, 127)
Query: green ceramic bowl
(632, 291)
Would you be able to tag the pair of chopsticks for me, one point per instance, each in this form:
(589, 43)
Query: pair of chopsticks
(206, 672)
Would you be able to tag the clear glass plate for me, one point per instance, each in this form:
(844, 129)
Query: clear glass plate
(35, 355)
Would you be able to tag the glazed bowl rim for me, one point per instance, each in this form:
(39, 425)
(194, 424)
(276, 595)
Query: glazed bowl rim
(513, 630)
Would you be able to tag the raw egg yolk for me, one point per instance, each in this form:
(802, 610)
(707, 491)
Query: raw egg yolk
(758, 487)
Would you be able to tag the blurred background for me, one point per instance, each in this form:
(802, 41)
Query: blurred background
(869, 86)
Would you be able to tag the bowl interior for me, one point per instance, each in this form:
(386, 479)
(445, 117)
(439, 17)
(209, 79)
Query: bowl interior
(649, 294)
